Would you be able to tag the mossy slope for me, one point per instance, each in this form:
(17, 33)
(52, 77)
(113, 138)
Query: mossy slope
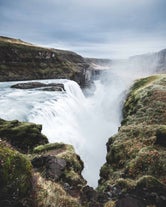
(15, 178)
(136, 155)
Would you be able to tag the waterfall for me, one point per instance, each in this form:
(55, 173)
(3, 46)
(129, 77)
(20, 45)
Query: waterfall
(72, 118)
(80, 121)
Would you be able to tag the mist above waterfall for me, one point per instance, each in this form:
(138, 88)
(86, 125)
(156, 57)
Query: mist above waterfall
(73, 118)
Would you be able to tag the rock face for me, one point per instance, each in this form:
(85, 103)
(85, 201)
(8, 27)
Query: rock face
(135, 171)
(24, 61)
(53, 166)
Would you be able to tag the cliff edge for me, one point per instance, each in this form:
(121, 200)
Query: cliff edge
(20, 60)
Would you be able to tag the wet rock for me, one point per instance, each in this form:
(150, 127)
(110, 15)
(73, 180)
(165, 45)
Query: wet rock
(52, 166)
(41, 86)
(28, 85)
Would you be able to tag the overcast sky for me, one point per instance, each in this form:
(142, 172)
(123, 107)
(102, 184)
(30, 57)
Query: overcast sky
(92, 28)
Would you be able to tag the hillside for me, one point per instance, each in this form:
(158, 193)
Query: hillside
(155, 61)
(23, 61)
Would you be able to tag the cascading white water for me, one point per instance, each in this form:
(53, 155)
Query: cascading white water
(70, 117)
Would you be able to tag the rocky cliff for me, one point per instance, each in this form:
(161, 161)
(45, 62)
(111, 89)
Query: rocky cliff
(23, 61)
(135, 171)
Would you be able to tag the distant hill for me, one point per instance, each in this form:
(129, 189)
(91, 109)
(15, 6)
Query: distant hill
(155, 60)
(20, 60)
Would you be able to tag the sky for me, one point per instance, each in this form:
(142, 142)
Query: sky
(92, 28)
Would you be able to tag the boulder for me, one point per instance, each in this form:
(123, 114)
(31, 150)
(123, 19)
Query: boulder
(52, 166)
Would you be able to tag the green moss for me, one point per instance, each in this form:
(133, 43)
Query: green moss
(73, 160)
(134, 96)
(146, 101)
(105, 171)
(15, 175)
(147, 162)
(139, 84)
(148, 182)
(73, 178)
(22, 135)
(125, 184)
(48, 147)
(117, 154)
(138, 149)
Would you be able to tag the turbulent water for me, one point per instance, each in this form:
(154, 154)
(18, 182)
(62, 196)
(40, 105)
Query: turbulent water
(71, 117)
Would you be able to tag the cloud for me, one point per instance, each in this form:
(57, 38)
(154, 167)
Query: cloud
(77, 22)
